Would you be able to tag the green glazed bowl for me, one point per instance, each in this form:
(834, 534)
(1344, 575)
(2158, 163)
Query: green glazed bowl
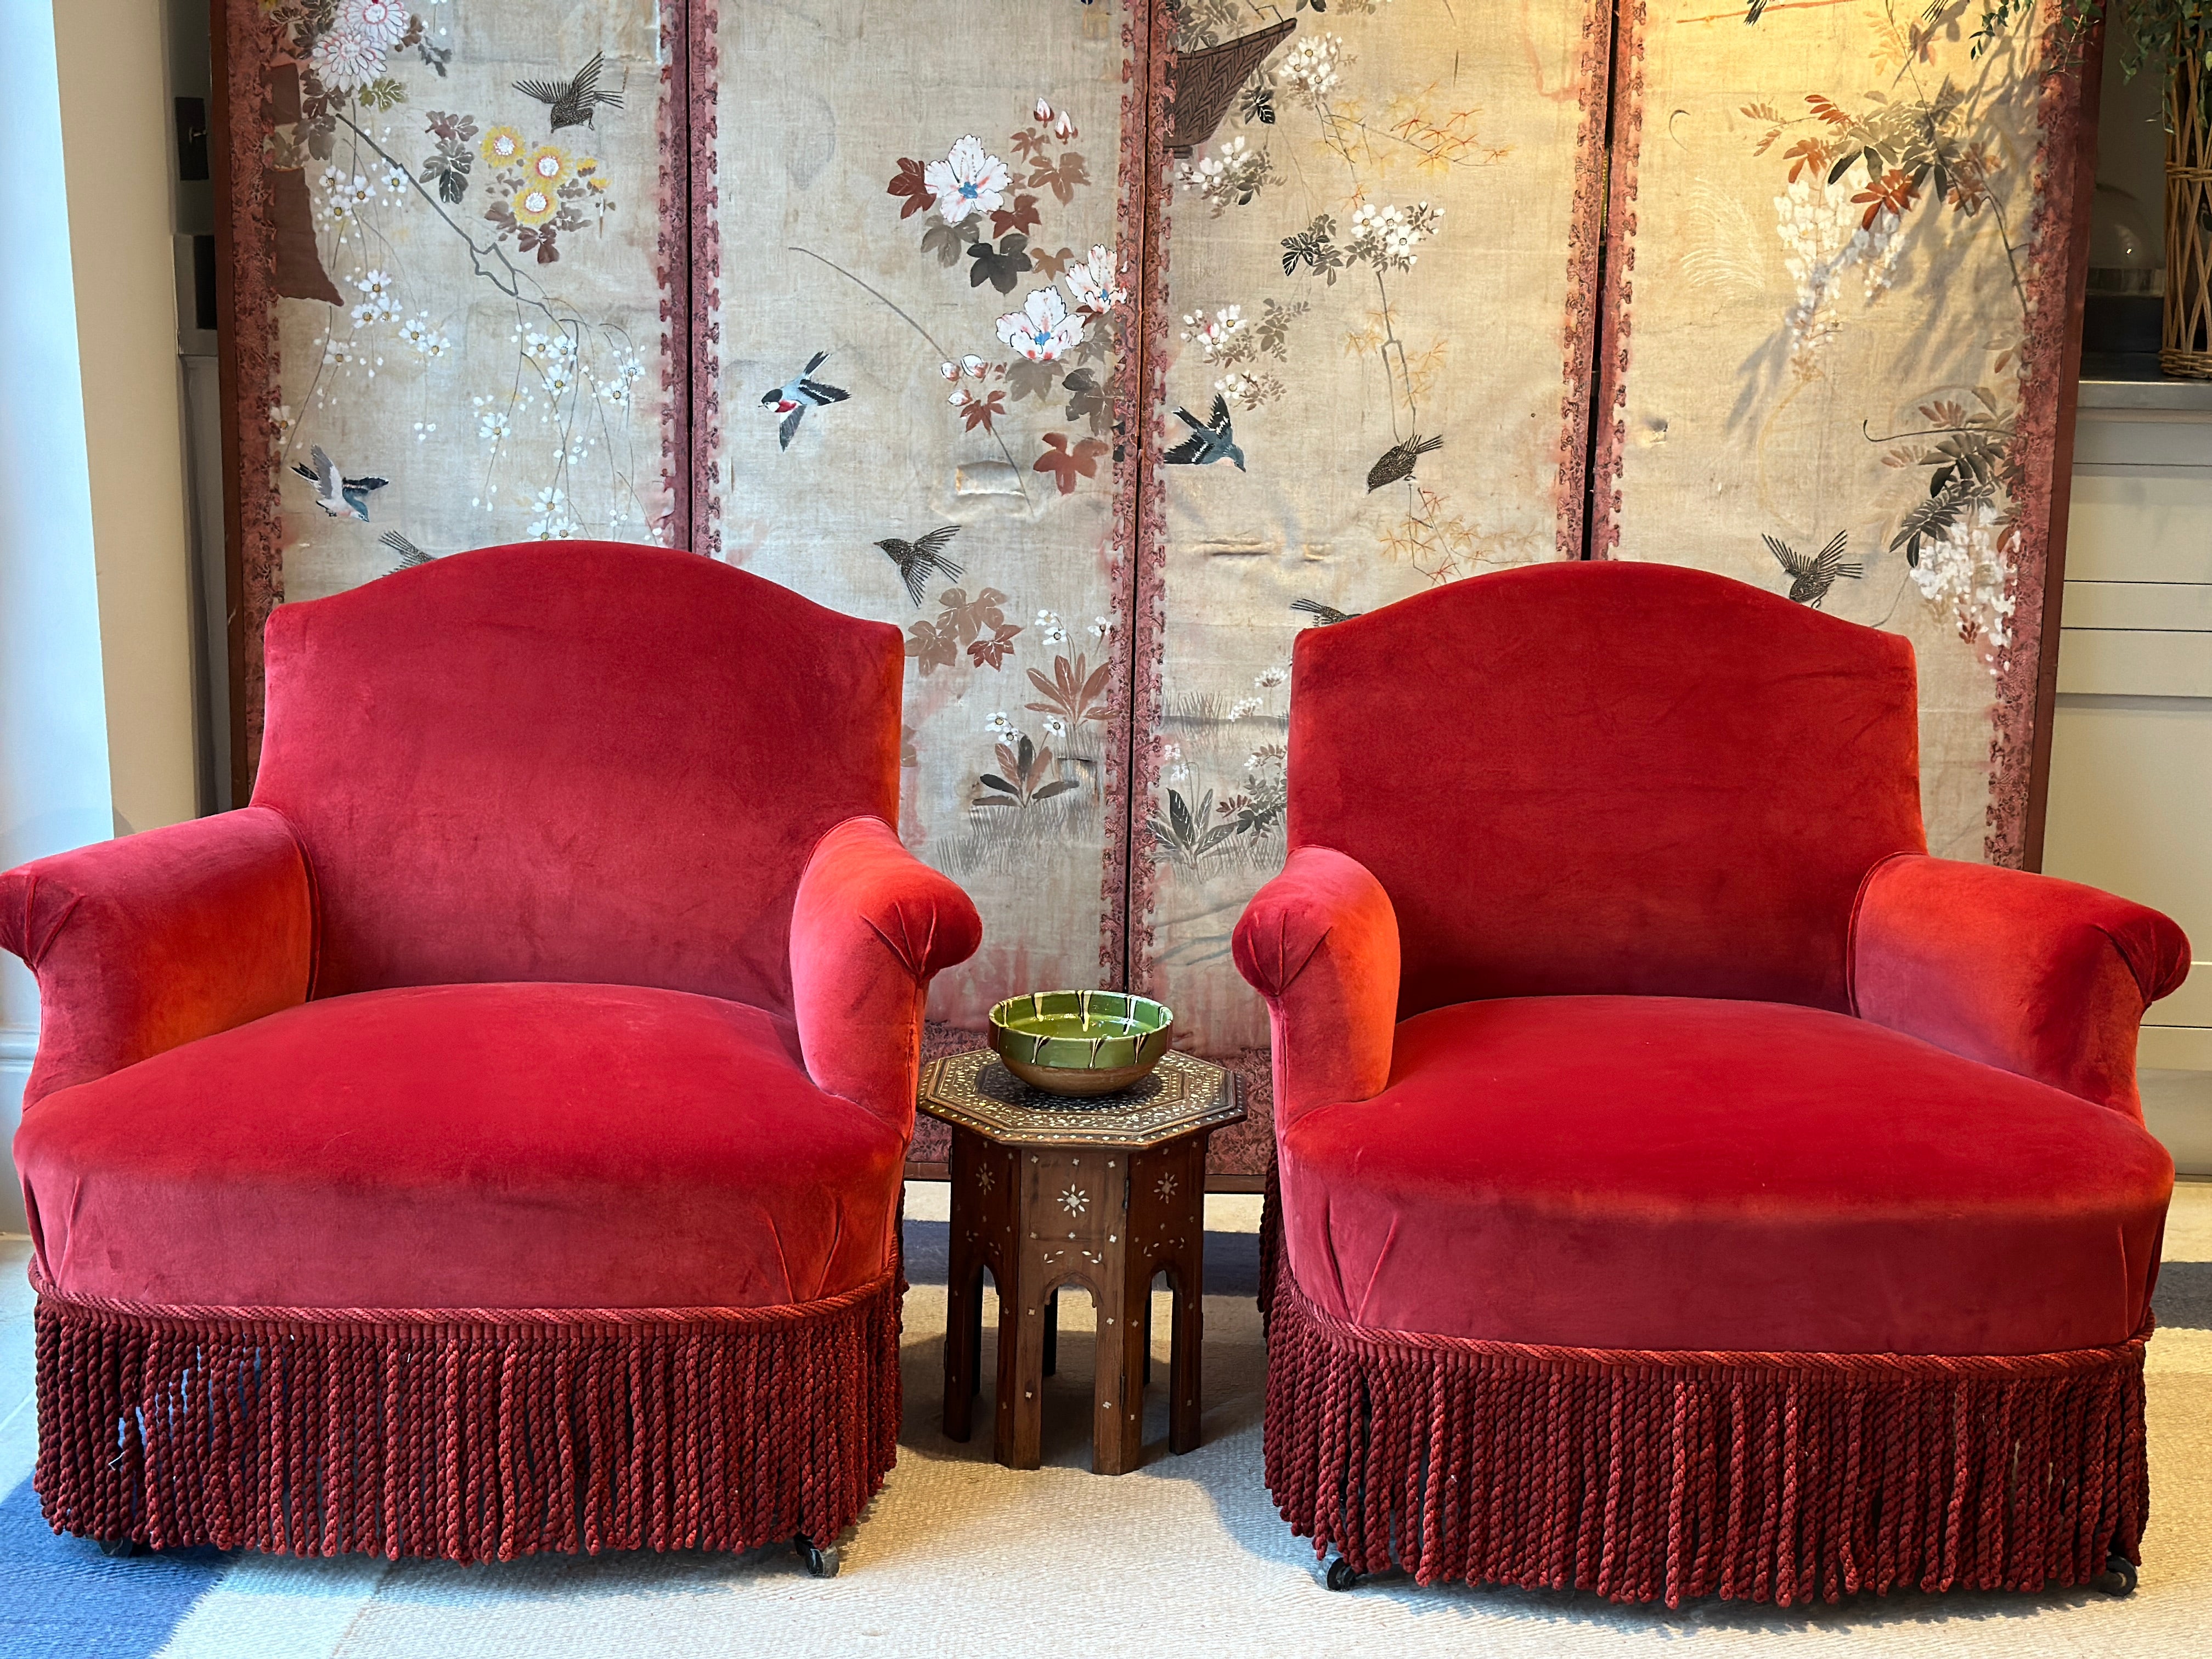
(1081, 1042)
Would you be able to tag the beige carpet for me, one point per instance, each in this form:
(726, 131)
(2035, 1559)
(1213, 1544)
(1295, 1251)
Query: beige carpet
(962, 1558)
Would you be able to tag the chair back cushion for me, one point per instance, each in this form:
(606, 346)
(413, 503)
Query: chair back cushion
(1609, 777)
(579, 761)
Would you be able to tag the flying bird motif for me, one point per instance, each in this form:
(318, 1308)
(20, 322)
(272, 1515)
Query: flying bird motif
(1323, 615)
(336, 494)
(1212, 439)
(573, 101)
(798, 394)
(1811, 577)
(916, 559)
(1398, 461)
(410, 554)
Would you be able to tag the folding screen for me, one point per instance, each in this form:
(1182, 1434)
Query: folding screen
(1376, 272)
(1846, 261)
(916, 259)
(451, 231)
(1103, 346)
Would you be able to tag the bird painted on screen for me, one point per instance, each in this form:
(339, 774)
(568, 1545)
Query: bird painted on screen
(1212, 439)
(410, 554)
(1323, 615)
(1398, 461)
(573, 100)
(336, 494)
(916, 559)
(798, 394)
(1811, 577)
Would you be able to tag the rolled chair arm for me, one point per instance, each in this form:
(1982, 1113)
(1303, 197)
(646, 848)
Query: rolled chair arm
(871, 924)
(2043, 977)
(1320, 942)
(152, 941)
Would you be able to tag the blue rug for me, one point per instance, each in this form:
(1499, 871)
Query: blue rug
(68, 1601)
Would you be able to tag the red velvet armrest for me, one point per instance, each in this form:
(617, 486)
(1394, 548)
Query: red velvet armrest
(2043, 977)
(152, 941)
(1320, 942)
(872, 924)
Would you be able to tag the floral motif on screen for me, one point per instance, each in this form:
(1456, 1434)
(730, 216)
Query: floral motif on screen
(1036, 374)
(514, 189)
(1864, 177)
(1219, 813)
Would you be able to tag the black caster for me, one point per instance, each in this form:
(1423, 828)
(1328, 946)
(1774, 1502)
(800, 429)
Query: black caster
(820, 1563)
(120, 1548)
(2119, 1577)
(1341, 1575)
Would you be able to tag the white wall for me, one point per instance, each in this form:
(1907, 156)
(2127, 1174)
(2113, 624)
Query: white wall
(117, 132)
(54, 789)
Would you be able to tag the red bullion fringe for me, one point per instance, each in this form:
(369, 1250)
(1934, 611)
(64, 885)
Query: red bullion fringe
(469, 1434)
(1651, 1477)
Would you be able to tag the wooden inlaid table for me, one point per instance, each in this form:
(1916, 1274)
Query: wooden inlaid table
(1103, 1194)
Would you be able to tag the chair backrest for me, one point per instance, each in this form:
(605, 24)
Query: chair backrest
(1608, 778)
(586, 761)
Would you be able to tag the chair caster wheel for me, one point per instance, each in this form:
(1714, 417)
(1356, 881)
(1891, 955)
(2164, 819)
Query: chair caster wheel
(1341, 1575)
(117, 1549)
(820, 1563)
(2119, 1577)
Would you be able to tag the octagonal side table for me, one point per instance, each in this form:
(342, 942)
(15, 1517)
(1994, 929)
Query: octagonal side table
(1102, 1193)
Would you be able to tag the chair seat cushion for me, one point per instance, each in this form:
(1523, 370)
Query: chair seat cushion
(1670, 1172)
(494, 1145)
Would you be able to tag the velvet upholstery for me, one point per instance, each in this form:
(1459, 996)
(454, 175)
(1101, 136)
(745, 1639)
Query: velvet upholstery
(1320, 942)
(1671, 1172)
(154, 940)
(648, 784)
(870, 925)
(1713, 810)
(488, 1145)
(491, 1139)
(618, 777)
(2046, 978)
(1580, 779)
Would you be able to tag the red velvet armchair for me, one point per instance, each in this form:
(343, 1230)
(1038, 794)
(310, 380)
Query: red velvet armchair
(1687, 1186)
(490, 1139)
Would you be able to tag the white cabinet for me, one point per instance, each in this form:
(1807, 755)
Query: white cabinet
(2130, 803)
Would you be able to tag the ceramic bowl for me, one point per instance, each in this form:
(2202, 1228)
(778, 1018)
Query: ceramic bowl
(1081, 1042)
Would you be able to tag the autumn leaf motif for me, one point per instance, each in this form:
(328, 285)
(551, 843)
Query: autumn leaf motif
(1022, 216)
(1063, 179)
(932, 647)
(1075, 693)
(964, 618)
(911, 185)
(1002, 266)
(1826, 110)
(1066, 464)
(1894, 192)
(991, 651)
(1029, 145)
(1021, 780)
(1034, 378)
(982, 411)
(1050, 265)
(1086, 397)
(943, 240)
(1806, 155)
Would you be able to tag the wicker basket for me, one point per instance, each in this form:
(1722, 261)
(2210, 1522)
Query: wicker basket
(2187, 345)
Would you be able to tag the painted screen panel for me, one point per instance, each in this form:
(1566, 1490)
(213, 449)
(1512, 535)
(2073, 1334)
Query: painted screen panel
(1839, 321)
(914, 262)
(450, 235)
(1378, 269)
